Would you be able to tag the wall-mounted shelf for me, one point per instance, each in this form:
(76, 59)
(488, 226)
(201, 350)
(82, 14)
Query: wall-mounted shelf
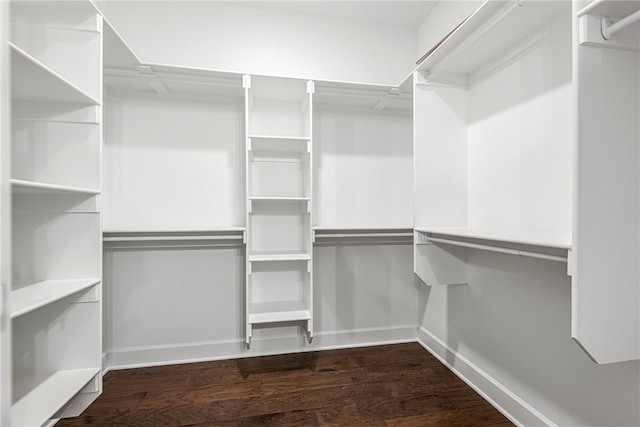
(545, 240)
(263, 257)
(164, 239)
(289, 144)
(34, 81)
(371, 97)
(116, 52)
(496, 34)
(170, 80)
(337, 234)
(279, 199)
(30, 187)
(279, 311)
(31, 297)
(49, 396)
(441, 257)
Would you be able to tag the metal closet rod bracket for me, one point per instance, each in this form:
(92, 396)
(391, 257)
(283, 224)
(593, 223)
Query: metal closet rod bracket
(609, 26)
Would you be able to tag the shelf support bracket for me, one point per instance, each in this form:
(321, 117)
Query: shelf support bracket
(610, 26)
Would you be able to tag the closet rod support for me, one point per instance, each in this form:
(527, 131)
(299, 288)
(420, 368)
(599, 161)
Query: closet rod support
(609, 29)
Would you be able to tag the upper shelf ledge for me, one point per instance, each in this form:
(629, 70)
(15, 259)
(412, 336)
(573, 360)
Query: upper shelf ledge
(551, 246)
(494, 35)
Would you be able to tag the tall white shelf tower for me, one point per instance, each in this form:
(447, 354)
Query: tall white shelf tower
(279, 251)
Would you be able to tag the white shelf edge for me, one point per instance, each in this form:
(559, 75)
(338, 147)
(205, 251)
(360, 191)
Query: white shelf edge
(279, 257)
(166, 238)
(57, 28)
(175, 230)
(40, 294)
(356, 228)
(65, 122)
(22, 186)
(283, 311)
(44, 68)
(288, 138)
(279, 199)
(41, 403)
(548, 240)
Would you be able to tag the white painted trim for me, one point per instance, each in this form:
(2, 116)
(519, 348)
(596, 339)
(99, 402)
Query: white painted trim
(137, 357)
(503, 399)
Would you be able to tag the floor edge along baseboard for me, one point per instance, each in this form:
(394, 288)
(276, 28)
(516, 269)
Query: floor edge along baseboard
(504, 400)
(140, 357)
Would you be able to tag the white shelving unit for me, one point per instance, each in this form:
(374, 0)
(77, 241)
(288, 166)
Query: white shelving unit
(55, 303)
(483, 186)
(279, 279)
(605, 295)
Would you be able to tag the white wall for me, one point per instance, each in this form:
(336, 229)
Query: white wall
(167, 305)
(256, 40)
(172, 163)
(520, 141)
(513, 321)
(363, 167)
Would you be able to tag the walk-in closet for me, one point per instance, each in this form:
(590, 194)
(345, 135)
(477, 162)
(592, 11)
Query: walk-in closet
(320, 212)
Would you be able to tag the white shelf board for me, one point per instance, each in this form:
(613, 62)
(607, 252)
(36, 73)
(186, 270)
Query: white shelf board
(41, 403)
(117, 54)
(278, 311)
(357, 228)
(33, 81)
(33, 296)
(280, 199)
(488, 38)
(288, 138)
(279, 144)
(32, 187)
(293, 256)
(611, 9)
(548, 240)
(170, 80)
(200, 230)
(370, 96)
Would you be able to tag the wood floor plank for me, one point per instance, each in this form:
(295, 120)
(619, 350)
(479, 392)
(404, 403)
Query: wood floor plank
(392, 385)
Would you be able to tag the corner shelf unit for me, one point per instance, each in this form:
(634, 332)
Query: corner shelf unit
(279, 258)
(55, 302)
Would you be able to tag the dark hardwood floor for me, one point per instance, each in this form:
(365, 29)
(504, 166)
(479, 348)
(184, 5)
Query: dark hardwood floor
(392, 385)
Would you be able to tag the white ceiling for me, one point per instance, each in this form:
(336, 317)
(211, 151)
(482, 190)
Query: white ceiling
(407, 13)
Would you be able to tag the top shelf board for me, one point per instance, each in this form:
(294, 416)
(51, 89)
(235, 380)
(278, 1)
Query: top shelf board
(263, 143)
(547, 240)
(34, 81)
(494, 34)
(377, 97)
(32, 187)
(278, 89)
(171, 80)
(117, 54)
(611, 9)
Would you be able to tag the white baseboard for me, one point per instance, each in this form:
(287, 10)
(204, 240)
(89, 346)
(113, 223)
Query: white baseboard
(135, 357)
(511, 406)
